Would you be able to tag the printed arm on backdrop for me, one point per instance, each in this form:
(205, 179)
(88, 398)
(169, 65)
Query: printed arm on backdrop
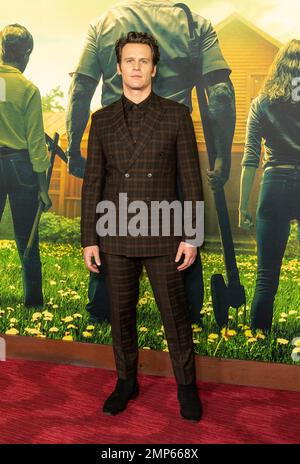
(250, 163)
(221, 100)
(84, 82)
(222, 116)
(35, 137)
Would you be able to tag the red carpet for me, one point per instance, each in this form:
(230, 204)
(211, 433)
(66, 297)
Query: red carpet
(55, 403)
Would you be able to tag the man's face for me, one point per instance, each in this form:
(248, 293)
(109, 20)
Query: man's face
(136, 67)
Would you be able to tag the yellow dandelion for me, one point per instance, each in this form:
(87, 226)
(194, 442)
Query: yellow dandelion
(12, 331)
(47, 313)
(166, 349)
(165, 341)
(143, 329)
(67, 319)
(260, 335)
(195, 326)
(227, 333)
(231, 332)
(68, 338)
(283, 315)
(53, 329)
(90, 327)
(146, 348)
(36, 316)
(197, 329)
(55, 306)
(251, 340)
(196, 341)
(76, 297)
(40, 335)
(296, 350)
(13, 320)
(77, 316)
(297, 342)
(159, 333)
(292, 311)
(71, 326)
(282, 341)
(213, 336)
(31, 331)
(248, 334)
(87, 334)
(12, 287)
(281, 320)
(142, 301)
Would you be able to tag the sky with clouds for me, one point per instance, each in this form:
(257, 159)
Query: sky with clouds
(58, 26)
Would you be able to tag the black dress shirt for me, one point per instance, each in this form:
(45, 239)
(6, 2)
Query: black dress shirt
(134, 114)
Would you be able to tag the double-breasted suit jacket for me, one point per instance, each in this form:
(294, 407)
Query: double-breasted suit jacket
(145, 171)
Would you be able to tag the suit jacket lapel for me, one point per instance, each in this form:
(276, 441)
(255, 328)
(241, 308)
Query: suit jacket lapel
(119, 128)
(152, 118)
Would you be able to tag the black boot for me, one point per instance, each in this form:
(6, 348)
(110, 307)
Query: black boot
(124, 391)
(190, 404)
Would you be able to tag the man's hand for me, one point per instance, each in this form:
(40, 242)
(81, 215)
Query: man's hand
(44, 197)
(89, 253)
(190, 254)
(219, 176)
(76, 164)
(245, 220)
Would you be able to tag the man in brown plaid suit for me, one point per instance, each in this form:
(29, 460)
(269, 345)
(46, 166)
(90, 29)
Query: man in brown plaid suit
(137, 146)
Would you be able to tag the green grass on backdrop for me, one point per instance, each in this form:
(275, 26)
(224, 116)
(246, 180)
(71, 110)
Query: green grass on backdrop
(65, 284)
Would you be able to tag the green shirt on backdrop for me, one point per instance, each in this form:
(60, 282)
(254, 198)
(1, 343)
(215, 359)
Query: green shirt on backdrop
(169, 26)
(21, 121)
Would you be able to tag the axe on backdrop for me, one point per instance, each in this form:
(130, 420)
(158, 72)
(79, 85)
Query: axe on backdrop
(54, 149)
(232, 294)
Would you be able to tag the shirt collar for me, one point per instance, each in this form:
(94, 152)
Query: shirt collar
(129, 104)
(5, 68)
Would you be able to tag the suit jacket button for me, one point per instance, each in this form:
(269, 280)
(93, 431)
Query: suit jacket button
(149, 174)
(127, 174)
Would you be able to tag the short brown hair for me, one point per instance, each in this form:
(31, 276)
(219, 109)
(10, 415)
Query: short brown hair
(138, 37)
(16, 41)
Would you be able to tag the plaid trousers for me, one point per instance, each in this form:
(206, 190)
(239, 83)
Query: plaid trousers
(122, 279)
